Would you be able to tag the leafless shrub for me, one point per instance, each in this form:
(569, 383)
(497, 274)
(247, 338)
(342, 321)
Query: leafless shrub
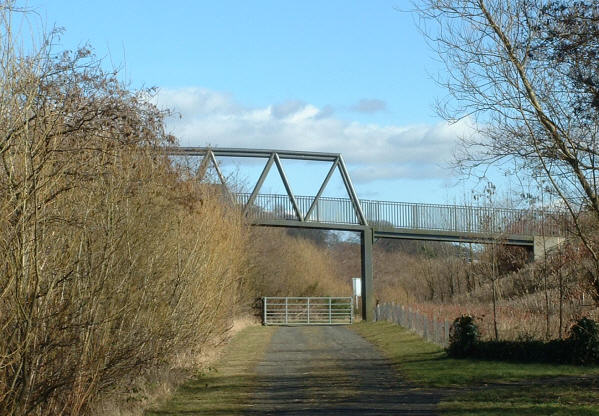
(111, 262)
(284, 265)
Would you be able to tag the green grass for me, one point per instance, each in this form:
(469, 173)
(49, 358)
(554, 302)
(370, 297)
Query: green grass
(487, 387)
(224, 389)
(523, 401)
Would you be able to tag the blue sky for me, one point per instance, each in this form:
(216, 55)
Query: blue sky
(352, 77)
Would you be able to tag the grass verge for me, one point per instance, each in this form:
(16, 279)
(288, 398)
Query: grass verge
(555, 400)
(487, 387)
(225, 388)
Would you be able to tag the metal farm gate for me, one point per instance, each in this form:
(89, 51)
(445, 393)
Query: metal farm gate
(307, 311)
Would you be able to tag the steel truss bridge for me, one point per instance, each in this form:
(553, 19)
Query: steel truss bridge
(532, 229)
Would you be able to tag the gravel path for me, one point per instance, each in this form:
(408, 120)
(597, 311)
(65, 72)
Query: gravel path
(324, 370)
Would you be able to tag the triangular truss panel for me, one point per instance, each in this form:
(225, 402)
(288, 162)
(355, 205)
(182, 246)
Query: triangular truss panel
(280, 206)
(209, 162)
(289, 207)
(202, 168)
(333, 209)
(305, 176)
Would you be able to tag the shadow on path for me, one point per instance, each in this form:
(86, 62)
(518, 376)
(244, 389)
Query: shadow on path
(323, 370)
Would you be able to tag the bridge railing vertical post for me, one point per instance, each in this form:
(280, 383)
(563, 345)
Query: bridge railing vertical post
(415, 219)
(319, 215)
(330, 311)
(367, 278)
(286, 310)
(309, 310)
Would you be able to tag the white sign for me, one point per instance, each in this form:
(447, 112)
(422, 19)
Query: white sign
(357, 286)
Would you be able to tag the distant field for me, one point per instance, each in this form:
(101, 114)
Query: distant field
(487, 387)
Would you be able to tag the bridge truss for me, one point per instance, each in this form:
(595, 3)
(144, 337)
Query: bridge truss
(372, 219)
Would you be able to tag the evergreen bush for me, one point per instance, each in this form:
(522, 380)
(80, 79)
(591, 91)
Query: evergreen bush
(584, 342)
(581, 347)
(463, 337)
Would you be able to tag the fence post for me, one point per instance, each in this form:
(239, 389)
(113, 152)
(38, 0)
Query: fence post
(399, 314)
(309, 310)
(402, 316)
(416, 323)
(330, 308)
(413, 321)
(286, 310)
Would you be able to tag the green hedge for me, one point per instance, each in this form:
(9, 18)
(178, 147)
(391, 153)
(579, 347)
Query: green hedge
(556, 351)
(581, 347)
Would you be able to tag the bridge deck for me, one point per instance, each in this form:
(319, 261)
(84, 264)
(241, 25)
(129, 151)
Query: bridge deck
(408, 220)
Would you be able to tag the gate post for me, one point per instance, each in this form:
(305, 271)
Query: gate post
(264, 300)
(367, 284)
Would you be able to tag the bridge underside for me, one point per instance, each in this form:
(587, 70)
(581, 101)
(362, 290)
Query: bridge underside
(369, 234)
(407, 233)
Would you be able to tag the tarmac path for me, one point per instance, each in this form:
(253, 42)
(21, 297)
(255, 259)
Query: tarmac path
(331, 370)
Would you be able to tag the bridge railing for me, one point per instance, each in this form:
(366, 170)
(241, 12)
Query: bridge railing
(411, 216)
(328, 210)
(462, 218)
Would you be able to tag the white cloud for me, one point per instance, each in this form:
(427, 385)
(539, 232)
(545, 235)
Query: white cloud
(369, 105)
(374, 151)
(191, 101)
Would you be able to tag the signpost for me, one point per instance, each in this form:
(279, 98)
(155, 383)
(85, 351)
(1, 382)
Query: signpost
(357, 284)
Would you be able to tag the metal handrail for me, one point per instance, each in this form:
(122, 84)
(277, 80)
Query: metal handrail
(412, 216)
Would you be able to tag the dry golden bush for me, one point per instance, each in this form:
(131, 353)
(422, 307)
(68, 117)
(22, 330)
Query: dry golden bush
(111, 263)
(284, 265)
(416, 271)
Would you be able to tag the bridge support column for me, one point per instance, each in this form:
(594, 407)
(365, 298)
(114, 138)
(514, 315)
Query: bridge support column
(367, 283)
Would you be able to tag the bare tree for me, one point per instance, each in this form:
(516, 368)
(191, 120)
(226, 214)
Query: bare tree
(525, 71)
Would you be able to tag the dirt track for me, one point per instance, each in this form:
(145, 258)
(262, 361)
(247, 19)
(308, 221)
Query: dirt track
(332, 371)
